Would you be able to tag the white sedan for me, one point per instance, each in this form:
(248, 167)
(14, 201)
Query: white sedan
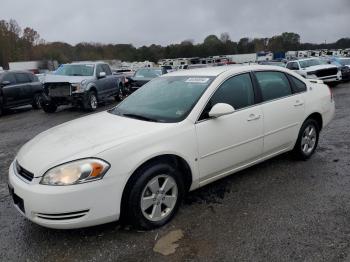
(177, 133)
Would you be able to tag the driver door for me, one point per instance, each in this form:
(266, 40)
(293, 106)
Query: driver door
(229, 142)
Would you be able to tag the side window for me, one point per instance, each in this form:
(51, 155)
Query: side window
(298, 85)
(10, 77)
(293, 66)
(106, 69)
(99, 69)
(237, 91)
(22, 78)
(273, 85)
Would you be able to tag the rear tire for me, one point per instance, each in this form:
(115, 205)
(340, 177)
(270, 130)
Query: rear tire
(37, 101)
(90, 103)
(49, 108)
(154, 196)
(307, 140)
(120, 96)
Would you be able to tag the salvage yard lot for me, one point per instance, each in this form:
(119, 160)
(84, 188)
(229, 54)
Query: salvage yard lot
(280, 210)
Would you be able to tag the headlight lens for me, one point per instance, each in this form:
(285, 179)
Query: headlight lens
(76, 172)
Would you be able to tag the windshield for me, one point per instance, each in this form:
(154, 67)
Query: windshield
(312, 62)
(148, 73)
(165, 99)
(75, 70)
(345, 61)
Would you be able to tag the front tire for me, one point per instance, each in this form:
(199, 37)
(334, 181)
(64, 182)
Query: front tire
(155, 196)
(307, 139)
(37, 101)
(90, 103)
(49, 107)
(120, 96)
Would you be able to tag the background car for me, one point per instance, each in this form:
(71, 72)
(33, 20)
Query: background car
(143, 76)
(82, 84)
(18, 88)
(315, 68)
(343, 63)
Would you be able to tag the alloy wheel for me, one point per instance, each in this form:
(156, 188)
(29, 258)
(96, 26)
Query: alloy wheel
(159, 198)
(308, 140)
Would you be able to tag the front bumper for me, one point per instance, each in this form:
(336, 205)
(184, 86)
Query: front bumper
(75, 99)
(66, 207)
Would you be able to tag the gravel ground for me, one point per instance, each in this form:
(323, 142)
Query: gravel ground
(280, 210)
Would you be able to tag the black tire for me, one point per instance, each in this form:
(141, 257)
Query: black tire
(37, 101)
(299, 149)
(136, 189)
(120, 95)
(49, 107)
(90, 101)
(1, 105)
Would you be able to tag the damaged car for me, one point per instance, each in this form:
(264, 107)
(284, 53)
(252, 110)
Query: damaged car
(81, 84)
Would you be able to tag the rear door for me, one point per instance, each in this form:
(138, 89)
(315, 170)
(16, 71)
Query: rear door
(229, 142)
(283, 110)
(112, 83)
(24, 82)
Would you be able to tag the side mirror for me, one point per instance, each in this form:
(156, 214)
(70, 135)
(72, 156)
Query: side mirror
(221, 109)
(102, 75)
(5, 83)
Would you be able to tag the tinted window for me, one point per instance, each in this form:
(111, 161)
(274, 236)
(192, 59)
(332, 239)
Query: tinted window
(237, 91)
(293, 66)
(99, 69)
(298, 86)
(23, 78)
(106, 69)
(273, 85)
(9, 77)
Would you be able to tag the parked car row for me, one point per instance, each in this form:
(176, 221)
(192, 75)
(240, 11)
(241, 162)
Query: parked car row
(86, 84)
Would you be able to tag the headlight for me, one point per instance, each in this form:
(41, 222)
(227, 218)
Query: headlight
(75, 172)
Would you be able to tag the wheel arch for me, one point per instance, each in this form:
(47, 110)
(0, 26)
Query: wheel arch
(318, 118)
(174, 160)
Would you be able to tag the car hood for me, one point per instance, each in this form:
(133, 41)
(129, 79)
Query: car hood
(318, 67)
(65, 79)
(81, 138)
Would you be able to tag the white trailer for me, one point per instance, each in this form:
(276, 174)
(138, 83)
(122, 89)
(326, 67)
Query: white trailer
(242, 58)
(33, 66)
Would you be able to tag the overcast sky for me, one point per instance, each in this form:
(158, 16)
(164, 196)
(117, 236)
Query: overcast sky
(143, 22)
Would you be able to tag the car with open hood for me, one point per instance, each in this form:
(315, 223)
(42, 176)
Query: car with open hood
(83, 84)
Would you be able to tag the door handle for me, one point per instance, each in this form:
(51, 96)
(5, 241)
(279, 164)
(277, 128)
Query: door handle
(253, 117)
(298, 103)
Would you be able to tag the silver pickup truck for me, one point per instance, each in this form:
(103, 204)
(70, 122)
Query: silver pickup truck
(81, 84)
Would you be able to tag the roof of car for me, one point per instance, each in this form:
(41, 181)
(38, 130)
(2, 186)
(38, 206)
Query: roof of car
(305, 59)
(215, 71)
(87, 62)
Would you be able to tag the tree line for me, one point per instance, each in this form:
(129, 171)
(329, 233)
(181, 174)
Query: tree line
(17, 44)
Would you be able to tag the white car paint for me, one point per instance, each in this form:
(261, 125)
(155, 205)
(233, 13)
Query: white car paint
(304, 71)
(210, 147)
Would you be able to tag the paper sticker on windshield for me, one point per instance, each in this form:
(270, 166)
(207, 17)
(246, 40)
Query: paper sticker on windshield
(197, 80)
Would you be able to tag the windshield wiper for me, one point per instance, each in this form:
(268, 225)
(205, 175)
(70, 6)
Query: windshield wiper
(145, 118)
